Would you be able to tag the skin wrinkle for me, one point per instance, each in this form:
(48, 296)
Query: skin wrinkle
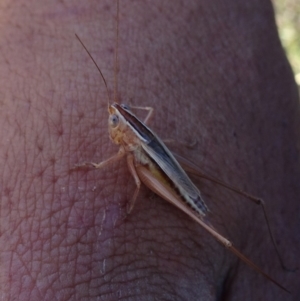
(209, 72)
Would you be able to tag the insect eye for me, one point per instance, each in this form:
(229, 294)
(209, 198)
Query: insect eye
(125, 107)
(113, 120)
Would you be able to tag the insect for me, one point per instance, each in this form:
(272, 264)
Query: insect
(150, 162)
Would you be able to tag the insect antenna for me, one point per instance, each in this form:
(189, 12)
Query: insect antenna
(116, 63)
(108, 98)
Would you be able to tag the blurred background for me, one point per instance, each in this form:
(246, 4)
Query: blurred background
(288, 22)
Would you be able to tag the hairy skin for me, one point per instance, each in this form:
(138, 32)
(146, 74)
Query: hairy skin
(214, 72)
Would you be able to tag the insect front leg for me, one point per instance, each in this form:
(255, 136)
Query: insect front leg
(102, 164)
(131, 166)
(149, 115)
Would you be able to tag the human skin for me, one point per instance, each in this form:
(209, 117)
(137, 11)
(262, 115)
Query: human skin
(214, 73)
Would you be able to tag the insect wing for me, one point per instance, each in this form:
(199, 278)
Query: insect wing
(160, 154)
(157, 150)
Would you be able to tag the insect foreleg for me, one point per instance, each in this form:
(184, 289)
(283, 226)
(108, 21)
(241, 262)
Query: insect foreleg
(149, 115)
(102, 164)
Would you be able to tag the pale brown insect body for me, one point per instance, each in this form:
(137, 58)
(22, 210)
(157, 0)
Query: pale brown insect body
(150, 162)
(149, 151)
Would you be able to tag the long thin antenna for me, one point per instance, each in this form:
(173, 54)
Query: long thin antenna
(116, 67)
(95, 65)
